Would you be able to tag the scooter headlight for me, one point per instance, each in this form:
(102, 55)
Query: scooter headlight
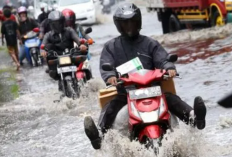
(149, 117)
(64, 60)
(153, 116)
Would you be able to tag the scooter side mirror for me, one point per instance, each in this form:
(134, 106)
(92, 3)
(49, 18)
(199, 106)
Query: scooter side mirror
(36, 30)
(172, 58)
(107, 67)
(88, 30)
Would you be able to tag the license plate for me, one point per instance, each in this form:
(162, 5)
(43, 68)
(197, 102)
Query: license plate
(145, 93)
(66, 69)
(64, 60)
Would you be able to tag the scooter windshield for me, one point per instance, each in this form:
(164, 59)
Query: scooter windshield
(141, 71)
(31, 34)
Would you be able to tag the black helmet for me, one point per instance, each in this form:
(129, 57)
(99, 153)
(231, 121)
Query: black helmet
(128, 12)
(56, 21)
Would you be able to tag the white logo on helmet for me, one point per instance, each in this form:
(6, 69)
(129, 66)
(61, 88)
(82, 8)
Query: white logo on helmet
(128, 12)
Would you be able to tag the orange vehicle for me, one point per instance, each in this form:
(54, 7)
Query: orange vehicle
(177, 14)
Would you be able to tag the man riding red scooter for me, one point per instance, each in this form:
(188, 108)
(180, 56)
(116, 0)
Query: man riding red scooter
(124, 48)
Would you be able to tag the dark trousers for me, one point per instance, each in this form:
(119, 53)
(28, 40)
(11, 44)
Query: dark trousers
(53, 69)
(175, 105)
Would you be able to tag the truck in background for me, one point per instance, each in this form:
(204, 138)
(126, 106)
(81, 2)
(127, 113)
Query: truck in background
(175, 15)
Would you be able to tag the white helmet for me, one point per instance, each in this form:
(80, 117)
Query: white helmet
(42, 5)
(22, 9)
(30, 8)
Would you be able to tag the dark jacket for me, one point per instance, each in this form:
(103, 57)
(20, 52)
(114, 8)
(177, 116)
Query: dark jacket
(26, 26)
(119, 50)
(44, 27)
(42, 17)
(58, 42)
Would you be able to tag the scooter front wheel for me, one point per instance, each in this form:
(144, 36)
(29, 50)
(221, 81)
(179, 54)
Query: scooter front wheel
(153, 144)
(35, 58)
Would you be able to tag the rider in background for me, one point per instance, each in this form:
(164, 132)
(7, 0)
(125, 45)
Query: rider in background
(70, 21)
(26, 25)
(43, 15)
(58, 39)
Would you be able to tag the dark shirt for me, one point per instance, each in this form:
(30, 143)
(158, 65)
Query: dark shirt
(58, 42)
(120, 50)
(26, 26)
(81, 33)
(9, 29)
(42, 17)
(45, 27)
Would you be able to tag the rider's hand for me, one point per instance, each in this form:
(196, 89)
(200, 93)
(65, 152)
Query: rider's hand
(172, 73)
(112, 80)
(44, 54)
(83, 48)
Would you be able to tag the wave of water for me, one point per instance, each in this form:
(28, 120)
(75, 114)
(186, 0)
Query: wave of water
(197, 35)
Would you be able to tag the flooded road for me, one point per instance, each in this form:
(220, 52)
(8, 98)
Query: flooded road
(34, 126)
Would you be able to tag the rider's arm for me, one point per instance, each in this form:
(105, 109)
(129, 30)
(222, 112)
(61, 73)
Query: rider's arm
(45, 42)
(106, 57)
(86, 36)
(160, 57)
(45, 39)
(74, 36)
(42, 29)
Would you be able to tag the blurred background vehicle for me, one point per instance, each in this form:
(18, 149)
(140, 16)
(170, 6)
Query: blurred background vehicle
(84, 10)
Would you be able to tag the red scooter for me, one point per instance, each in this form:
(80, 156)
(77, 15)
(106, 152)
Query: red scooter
(149, 117)
(84, 72)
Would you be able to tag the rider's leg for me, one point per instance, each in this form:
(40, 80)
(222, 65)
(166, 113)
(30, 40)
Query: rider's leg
(110, 111)
(185, 112)
(107, 117)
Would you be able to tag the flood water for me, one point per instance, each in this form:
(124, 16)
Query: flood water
(34, 126)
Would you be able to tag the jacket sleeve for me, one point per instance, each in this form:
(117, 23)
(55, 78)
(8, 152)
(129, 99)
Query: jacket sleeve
(42, 27)
(160, 57)
(45, 39)
(106, 57)
(86, 36)
(74, 36)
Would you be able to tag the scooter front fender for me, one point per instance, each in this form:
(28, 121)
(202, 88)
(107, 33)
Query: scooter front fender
(151, 131)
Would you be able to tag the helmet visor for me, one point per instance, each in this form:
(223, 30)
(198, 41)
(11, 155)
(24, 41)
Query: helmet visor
(69, 23)
(130, 27)
(57, 26)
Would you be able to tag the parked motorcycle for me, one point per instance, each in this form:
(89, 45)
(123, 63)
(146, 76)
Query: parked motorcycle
(149, 117)
(32, 47)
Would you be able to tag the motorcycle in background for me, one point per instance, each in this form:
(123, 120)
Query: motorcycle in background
(84, 71)
(67, 67)
(32, 47)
